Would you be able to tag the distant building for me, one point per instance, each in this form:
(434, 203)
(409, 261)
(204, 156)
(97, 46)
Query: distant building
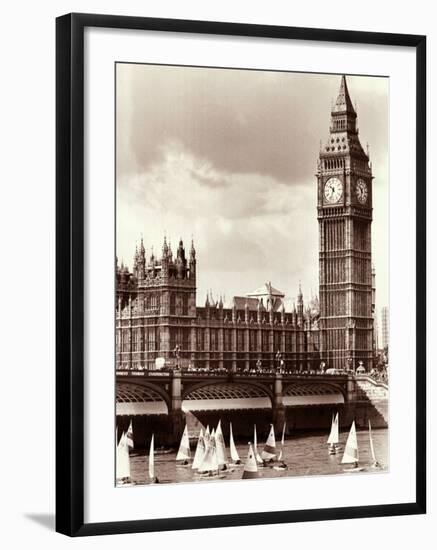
(156, 315)
(385, 327)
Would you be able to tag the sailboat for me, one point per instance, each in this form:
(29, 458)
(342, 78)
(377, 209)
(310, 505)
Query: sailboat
(220, 447)
(375, 463)
(122, 466)
(209, 465)
(333, 436)
(269, 451)
(207, 435)
(281, 466)
(130, 436)
(234, 453)
(255, 446)
(350, 455)
(200, 451)
(152, 476)
(250, 467)
(184, 452)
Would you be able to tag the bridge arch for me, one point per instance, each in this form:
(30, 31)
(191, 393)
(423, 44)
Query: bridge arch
(134, 399)
(313, 393)
(226, 396)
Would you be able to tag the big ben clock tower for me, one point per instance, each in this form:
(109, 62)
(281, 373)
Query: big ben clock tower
(344, 207)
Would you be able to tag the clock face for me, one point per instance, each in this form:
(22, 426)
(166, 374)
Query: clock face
(361, 191)
(333, 190)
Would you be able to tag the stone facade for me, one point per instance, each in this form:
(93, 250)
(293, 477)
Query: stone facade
(157, 317)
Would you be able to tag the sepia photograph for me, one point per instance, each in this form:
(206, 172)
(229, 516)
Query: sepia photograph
(251, 283)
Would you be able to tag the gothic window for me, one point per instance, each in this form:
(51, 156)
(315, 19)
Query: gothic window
(172, 304)
(214, 340)
(227, 333)
(184, 304)
(126, 341)
(151, 339)
(265, 341)
(240, 340)
(277, 340)
(186, 343)
(288, 341)
(200, 339)
(252, 340)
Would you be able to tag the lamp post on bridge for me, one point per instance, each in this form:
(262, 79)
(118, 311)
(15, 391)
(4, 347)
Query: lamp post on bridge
(278, 361)
(176, 353)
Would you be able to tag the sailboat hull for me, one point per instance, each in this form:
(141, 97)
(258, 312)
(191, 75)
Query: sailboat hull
(250, 475)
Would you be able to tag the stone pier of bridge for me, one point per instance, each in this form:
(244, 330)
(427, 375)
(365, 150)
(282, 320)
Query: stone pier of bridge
(176, 413)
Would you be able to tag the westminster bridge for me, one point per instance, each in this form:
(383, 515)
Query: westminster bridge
(162, 401)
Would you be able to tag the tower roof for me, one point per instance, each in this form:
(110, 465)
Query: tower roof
(343, 103)
(266, 290)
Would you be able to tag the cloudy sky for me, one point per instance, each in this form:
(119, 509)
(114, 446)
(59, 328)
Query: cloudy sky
(229, 157)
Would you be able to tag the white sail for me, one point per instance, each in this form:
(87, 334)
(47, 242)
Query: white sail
(130, 436)
(372, 449)
(220, 445)
(255, 446)
(214, 459)
(269, 450)
(350, 455)
(250, 467)
(281, 452)
(152, 458)
(330, 437)
(122, 459)
(334, 434)
(200, 451)
(184, 452)
(209, 462)
(234, 453)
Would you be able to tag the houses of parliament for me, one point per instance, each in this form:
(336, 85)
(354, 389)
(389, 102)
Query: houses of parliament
(157, 315)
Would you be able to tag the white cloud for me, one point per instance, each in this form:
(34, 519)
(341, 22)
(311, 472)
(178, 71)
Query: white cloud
(229, 157)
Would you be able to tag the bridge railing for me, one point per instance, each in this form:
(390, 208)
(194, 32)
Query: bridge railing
(235, 375)
(372, 380)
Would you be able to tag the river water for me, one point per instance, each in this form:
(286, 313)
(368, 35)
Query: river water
(305, 454)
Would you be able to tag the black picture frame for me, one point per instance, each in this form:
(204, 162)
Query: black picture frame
(70, 272)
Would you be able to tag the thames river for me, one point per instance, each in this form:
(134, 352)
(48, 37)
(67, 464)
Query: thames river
(305, 454)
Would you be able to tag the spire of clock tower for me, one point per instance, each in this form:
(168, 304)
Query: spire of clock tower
(343, 115)
(344, 103)
(343, 132)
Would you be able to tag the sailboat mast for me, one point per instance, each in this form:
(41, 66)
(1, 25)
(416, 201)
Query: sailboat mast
(152, 458)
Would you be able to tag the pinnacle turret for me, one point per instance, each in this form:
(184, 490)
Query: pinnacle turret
(165, 248)
(192, 251)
